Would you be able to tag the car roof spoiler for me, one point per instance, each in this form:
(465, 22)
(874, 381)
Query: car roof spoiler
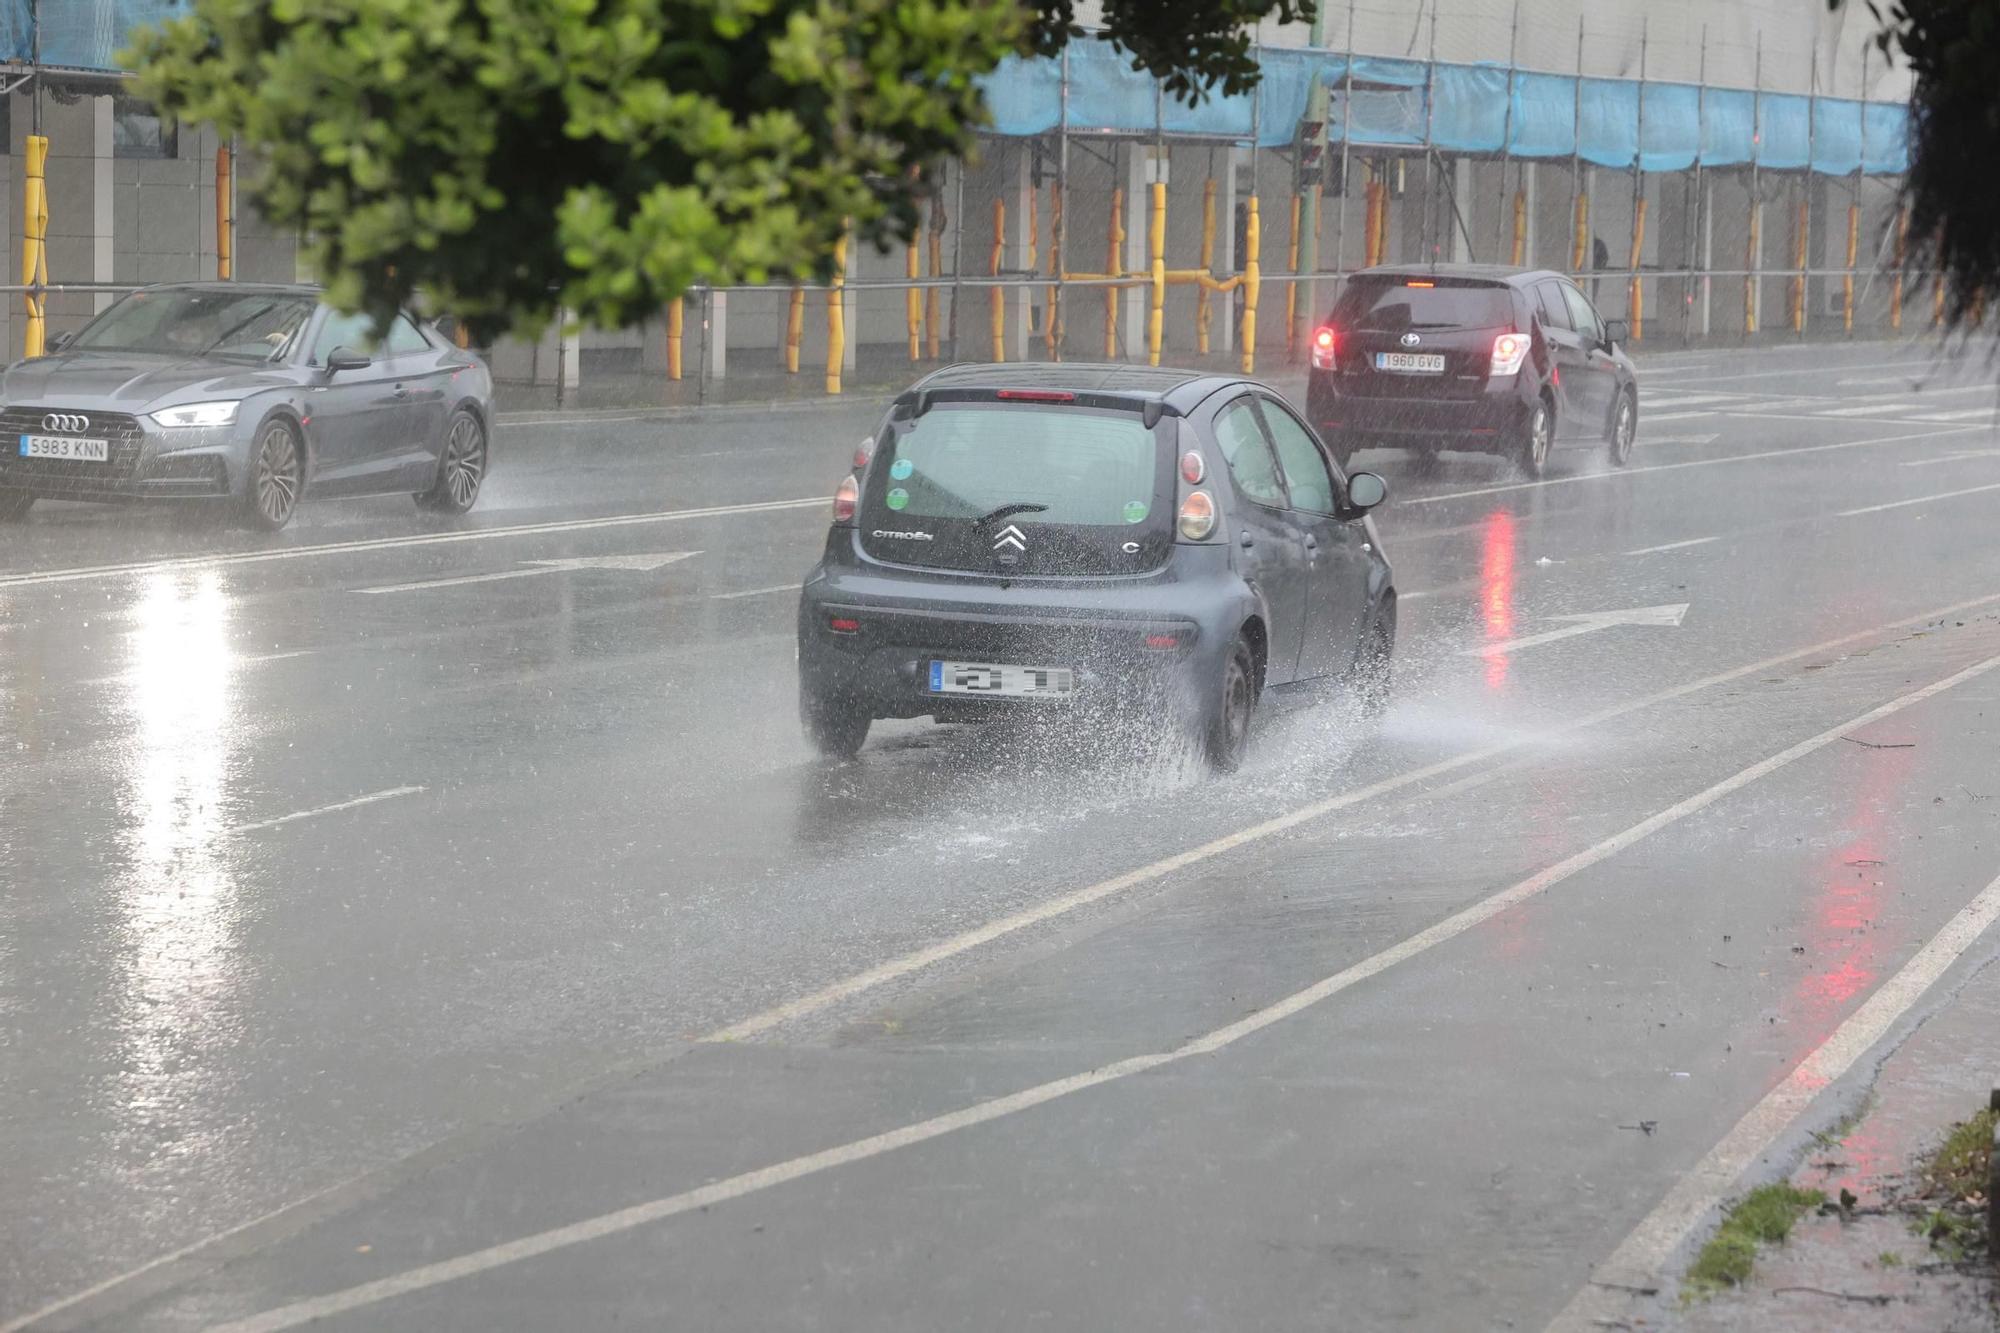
(916, 402)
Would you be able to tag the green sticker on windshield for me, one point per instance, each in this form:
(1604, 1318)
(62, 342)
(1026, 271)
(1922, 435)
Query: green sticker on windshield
(897, 498)
(901, 469)
(1135, 511)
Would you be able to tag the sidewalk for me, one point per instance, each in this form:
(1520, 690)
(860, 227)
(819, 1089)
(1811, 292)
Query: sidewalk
(1869, 1266)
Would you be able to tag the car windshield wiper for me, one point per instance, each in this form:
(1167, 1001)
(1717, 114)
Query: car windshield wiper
(1005, 511)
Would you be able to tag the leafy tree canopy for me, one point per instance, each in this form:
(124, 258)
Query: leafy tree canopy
(510, 157)
(1952, 48)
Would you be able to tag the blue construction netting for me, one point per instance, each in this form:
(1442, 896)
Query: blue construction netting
(1466, 109)
(1393, 103)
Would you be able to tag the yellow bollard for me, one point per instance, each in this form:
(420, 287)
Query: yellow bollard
(1752, 253)
(1156, 244)
(913, 303)
(676, 325)
(461, 335)
(1201, 295)
(999, 297)
(933, 325)
(1799, 263)
(225, 218)
(1638, 284)
(34, 243)
(1252, 279)
(1896, 284)
(836, 318)
(1378, 234)
(1579, 248)
(1847, 283)
(1292, 284)
(1520, 227)
(1937, 302)
(1052, 326)
(1114, 267)
(795, 330)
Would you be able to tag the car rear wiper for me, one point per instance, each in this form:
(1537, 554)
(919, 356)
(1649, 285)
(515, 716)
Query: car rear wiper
(1005, 511)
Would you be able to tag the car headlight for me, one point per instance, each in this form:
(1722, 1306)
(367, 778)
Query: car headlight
(197, 414)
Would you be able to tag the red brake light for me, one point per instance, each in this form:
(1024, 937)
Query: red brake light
(1414, 283)
(1509, 351)
(1163, 640)
(843, 625)
(863, 452)
(1192, 468)
(1325, 343)
(1036, 395)
(845, 497)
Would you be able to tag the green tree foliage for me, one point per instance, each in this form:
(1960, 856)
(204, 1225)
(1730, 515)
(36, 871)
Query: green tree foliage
(510, 157)
(1952, 48)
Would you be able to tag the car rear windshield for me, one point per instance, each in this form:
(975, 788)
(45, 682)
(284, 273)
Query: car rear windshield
(1393, 305)
(1081, 485)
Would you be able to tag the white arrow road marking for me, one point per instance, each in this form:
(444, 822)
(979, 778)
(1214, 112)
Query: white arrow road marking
(641, 563)
(1587, 623)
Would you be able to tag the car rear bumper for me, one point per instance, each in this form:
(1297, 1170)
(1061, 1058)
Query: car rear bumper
(1493, 419)
(1145, 651)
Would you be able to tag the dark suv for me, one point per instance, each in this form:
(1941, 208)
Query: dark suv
(1166, 543)
(1471, 357)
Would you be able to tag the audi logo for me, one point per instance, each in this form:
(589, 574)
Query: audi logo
(69, 423)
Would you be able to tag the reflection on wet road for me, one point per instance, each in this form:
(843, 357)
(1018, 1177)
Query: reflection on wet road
(478, 875)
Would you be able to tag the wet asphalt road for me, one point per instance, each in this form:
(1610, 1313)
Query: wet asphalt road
(365, 909)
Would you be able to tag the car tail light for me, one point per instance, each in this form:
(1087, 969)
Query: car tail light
(1197, 516)
(1036, 396)
(863, 452)
(1163, 640)
(845, 496)
(1324, 344)
(843, 625)
(1192, 468)
(1509, 351)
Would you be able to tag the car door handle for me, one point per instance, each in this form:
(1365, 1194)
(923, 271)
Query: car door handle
(1247, 540)
(1312, 542)
(401, 391)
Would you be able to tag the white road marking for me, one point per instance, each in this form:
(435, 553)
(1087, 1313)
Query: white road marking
(1693, 462)
(1689, 400)
(395, 543)
(1956, 456)
(1872, 409)
(1961, 414)
(1588, 623)
(1656, 441)
(793, 586)
(1680, 416)
(1674, 546)
(1781, 405)
(1640, 1259)
(638, 563)
(909, 963)
(387, 794)
(1919, 500)
(750, 1182)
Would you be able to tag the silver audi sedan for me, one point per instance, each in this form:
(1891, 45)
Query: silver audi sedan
(259, 396)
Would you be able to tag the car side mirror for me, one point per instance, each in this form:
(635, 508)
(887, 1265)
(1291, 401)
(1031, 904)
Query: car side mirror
(1365, 490)
(1616, 332)
(344, 358)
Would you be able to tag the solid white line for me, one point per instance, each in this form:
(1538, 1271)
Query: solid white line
(1689, 400)
(1681, 416)
(1694, 462)
(369, 799)
(1961, 414)
(922, 1131)
(854, 986)
(392, 543)
(1872, 409)
(1674, 546)
(1920, 500)
(1640, 1258)
(755, 592)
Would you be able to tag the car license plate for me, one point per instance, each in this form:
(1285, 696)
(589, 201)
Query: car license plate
(1410, 363)
(1002, 681)
(63, 446)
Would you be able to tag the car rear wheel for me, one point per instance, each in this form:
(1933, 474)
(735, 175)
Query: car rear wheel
(462, 468)
(1537, 437)
(277, 477)
(15, 504)
(834, 728)
(1624, 428)
(1226, 731)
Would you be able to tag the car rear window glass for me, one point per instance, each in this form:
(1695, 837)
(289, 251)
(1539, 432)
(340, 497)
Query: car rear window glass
(1555, 312)
(1081, 483)
(1390, 306)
